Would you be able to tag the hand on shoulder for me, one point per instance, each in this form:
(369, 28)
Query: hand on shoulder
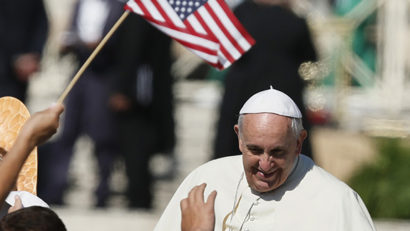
(198, 215)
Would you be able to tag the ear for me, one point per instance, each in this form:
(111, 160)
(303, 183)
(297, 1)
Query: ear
(236, 128)
(302, 137)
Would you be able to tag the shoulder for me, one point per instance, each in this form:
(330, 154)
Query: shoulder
(333, 196)
(226, 165)
(322, 181)
(321, 187)
(229, 161)
(218, 174)
(215, 173)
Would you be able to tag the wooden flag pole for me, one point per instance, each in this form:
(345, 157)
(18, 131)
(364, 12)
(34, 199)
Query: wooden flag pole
(92, 56)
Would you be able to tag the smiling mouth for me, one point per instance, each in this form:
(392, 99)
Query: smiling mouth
(263, 174)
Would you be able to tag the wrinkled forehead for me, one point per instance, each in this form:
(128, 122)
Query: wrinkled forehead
(258, 121)
(266, 130)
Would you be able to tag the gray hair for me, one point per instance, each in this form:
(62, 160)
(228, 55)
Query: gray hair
(295, 124)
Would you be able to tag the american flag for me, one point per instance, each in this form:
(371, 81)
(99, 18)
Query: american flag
(206, 27)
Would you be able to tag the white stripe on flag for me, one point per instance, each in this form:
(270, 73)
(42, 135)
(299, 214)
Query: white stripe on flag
(152, 10)
(207, 57)
(133, 5)
(188, 37)
(171, 13)
(229, 25)
(227, 64)
(222, 59)
(218, 33)
(195, 24)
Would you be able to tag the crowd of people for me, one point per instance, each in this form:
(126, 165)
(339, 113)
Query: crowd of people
(123, 102)
(259, 177)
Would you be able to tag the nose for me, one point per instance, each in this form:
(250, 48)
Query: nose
(265, 162)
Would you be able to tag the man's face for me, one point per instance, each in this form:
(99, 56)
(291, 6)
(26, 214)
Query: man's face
(269, 149)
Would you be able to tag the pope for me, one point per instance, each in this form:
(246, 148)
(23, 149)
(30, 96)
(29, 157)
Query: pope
(271, 186)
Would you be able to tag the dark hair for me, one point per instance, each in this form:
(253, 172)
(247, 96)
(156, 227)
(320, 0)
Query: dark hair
(34, 218)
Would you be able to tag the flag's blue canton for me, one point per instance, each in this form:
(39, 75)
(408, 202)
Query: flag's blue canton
(186, 7)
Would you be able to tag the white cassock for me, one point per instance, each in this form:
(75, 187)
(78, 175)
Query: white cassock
(310, 199)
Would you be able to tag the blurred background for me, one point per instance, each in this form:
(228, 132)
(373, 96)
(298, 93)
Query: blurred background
(354, 92)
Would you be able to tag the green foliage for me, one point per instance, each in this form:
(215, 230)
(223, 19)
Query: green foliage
(384, 185)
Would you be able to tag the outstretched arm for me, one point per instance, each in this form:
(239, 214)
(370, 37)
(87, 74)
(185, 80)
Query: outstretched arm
(198, 215)
(41, 126)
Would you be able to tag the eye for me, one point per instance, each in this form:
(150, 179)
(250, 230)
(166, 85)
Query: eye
(255, 150)
(278, 153)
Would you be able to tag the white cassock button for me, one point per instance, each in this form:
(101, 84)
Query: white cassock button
(252, 218)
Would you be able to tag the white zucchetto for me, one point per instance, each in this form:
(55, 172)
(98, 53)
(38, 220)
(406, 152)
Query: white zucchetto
(271, 101)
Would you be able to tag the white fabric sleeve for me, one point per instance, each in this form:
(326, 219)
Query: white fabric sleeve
(170, 219)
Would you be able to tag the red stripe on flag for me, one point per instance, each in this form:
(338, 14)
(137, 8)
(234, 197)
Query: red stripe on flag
(191, 30)
(126, 7)
(210, 32)
(168, 22)
(236, 22)
(223, 29)
(147, 14)
(164, 14)
(217, 66)
(198, 47)
(191, 27)
(182, 30)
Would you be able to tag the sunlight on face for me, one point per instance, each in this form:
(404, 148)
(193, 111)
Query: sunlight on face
(269, 149)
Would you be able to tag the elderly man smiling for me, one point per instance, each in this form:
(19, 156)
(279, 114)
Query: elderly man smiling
(271, 186)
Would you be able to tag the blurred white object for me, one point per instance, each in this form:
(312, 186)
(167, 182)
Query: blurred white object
(27, 199)
(91, 21)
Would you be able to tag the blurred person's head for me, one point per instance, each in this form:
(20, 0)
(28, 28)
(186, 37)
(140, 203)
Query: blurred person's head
(34, 218)
(270, 135)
